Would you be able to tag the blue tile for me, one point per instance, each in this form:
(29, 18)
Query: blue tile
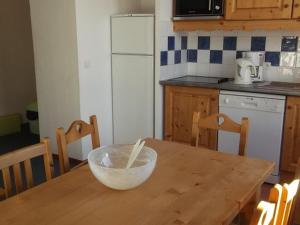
(204, 42)
(289, 44)
(192, 55)
(171, 43)
(216, 57)
(163, 58)
(230, 43)
(184, 42)
(239, 54)
(177, 56)
(273, 58)
(258, 43)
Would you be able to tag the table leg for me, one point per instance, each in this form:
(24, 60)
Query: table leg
(249, 209)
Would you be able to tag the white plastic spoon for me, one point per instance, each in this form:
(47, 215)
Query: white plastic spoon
(133, 151)
(134, 154)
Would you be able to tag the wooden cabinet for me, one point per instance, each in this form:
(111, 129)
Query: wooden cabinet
(180, 104)
(258, 9)
(291, 138)
(296, 9)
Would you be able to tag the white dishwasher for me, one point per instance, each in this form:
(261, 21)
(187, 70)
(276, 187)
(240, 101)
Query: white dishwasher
(265, 114)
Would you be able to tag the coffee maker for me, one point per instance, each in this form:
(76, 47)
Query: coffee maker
(258, 59)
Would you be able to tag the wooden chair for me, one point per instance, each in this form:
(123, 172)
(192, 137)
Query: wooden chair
(295, 218)
(264, 214)
(220, 122)
(15, 159)
(284, 198)
(76, 131)
(277, 211)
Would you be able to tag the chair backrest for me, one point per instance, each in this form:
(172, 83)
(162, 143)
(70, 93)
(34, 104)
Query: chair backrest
(277, 210)
(23, 156)
(220, 122)
(295, 218)
(263, 214)
(283, 197)
(76, 131)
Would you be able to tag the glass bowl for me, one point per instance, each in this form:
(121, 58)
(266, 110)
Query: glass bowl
(108, 165)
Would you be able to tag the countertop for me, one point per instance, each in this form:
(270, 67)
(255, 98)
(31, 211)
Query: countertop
(276, 88)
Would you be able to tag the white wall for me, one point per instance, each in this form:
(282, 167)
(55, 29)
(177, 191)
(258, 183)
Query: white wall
(17, 76)
(163, 12)
(74, 37)
(94, 54)
(55, 50)
(147, 6)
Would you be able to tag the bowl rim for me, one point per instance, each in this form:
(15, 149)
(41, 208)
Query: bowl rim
(121, 169)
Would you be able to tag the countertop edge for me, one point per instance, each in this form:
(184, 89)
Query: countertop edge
(227, 86)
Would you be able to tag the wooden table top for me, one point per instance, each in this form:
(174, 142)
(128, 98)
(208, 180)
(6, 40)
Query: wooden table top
(188, 186)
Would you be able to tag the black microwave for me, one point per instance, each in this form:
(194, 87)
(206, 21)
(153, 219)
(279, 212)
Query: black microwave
(198, 9)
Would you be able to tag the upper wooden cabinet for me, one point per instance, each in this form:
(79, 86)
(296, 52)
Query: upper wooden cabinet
(180, 104)
(296, 9)
(291, 138)
(258, 9)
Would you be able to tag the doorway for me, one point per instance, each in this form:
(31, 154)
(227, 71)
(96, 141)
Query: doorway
(18, 99)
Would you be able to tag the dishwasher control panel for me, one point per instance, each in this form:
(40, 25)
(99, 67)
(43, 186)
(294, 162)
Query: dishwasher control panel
(262, 103)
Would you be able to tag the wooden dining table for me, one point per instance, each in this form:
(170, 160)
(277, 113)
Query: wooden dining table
(189, 186)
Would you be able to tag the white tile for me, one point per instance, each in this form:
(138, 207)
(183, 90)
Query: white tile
(182, 69)
(243, 43)
(298, 60)
(216, 43)
(183, 56)
(202, 33)
(203, 56)
(230, 33)
(164, 73)
(228, 71)
(192, 68)
(273, 43)
(242, 33)
(203, 69)
(216, 70)
(192, 42)
(164, 43)
(287, 59)
(171, 57)
(229, 57)
(280, 74)
(220, 70)
(296, 74)
(177, 42)
(259, 33)
(272, 73)
(283, 33)
(217, 33)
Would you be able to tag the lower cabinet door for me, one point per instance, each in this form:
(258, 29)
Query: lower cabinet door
(180, 104)
(291, 138)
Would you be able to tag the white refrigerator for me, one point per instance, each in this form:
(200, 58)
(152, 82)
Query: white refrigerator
(132, 77)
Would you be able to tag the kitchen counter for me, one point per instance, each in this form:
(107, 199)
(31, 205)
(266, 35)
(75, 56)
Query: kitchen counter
(276, 88)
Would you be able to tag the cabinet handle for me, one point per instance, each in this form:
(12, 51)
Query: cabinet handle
(286, 6)
(296, 5)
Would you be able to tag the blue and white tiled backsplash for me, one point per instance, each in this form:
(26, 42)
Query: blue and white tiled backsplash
(214, 53)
